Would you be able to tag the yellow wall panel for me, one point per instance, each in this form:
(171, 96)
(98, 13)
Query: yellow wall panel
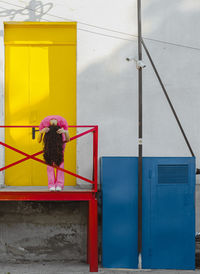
(40, 81)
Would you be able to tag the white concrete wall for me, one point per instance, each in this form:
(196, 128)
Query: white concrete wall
(107, 83)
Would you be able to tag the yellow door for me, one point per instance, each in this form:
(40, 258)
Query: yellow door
(40, 80)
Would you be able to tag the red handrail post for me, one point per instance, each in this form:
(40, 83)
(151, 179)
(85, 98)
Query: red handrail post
(95, 157)
(93, 235)
(92, 242)
(88, 237)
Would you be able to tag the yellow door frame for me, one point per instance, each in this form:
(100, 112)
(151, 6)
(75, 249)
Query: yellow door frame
(40, 80)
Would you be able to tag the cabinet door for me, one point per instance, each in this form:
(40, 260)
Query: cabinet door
(119, 180)
(168, 213)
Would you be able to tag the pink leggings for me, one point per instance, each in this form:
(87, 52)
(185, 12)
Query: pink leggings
(57, 180)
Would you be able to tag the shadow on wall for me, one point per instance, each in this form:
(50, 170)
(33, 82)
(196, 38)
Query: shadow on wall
(110, 86)
(107, 88)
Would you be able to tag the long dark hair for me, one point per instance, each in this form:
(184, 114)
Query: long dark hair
(53, 146)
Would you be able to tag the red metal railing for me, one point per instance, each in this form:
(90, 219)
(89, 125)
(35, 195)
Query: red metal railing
(94, 130)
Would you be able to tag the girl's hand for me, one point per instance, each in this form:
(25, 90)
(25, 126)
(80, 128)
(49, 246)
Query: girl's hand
(60, 131)
(45, 130)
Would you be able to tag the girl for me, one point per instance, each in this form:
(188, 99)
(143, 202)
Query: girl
(56, 135)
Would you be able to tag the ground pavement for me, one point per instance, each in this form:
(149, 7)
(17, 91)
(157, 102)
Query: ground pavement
(77, 268)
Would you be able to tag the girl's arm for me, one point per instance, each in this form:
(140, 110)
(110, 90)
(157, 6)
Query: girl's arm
(66, 132)
(67, 135)
(41, 132)
(39, 138)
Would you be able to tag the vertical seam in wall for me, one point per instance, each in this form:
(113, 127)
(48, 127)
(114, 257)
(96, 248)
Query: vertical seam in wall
(77, 171)
(3, 109)
(29, 102)
(77, 129)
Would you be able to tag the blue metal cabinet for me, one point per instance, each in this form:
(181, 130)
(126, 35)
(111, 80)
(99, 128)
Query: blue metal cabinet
(168, 212)
(119, 177)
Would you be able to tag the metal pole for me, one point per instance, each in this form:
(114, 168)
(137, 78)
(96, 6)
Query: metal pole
(139, 135)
